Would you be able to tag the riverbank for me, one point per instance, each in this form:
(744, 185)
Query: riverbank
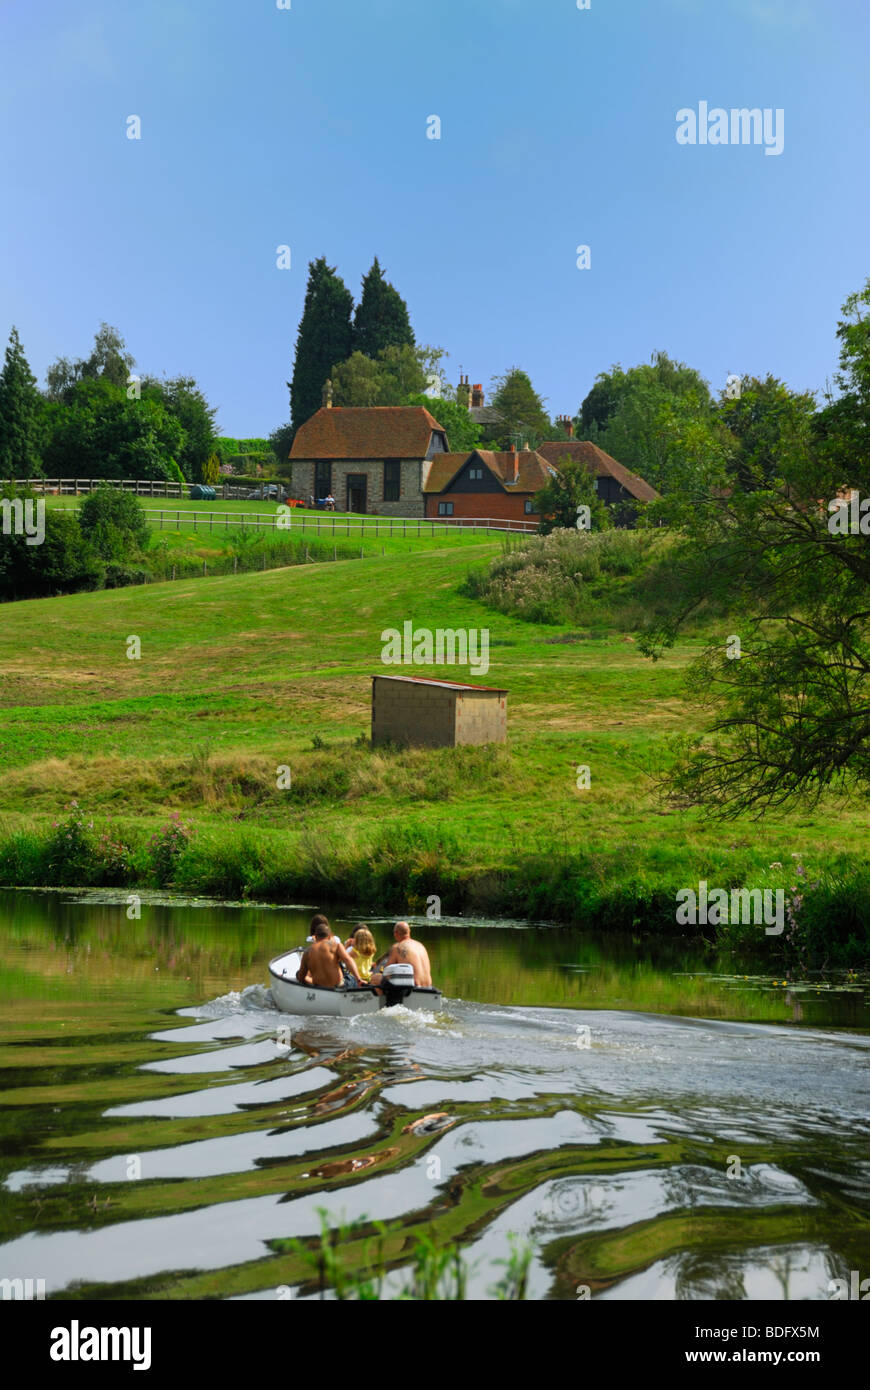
(822, 920)
(240, 677)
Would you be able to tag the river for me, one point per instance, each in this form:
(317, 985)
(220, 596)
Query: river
(645, 1121)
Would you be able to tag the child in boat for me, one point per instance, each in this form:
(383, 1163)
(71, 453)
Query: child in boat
(362, 948)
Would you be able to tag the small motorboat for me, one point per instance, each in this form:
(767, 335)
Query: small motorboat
(295, 998)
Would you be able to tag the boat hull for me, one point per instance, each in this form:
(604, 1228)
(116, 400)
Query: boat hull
(292, 997)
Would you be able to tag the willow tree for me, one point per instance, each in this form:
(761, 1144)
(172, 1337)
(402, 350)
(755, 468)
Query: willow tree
(788, 678)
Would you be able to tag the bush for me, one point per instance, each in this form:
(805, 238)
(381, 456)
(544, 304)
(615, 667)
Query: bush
(249, 479)
(65, 563)
(571, 576)
(75, 855)
(167, 846)
(114, 522)
(120, 576)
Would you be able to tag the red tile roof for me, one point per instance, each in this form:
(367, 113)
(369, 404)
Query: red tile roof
(532, 470)
(599, 463)
(374, 432)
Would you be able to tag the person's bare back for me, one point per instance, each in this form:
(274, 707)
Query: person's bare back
(407, 951)
(322, 961)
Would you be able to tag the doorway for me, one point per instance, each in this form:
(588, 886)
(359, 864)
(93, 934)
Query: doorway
(357, 492)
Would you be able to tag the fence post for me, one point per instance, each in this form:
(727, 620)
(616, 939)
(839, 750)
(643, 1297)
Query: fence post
(204, 569)
(235, 564)
(173, 571)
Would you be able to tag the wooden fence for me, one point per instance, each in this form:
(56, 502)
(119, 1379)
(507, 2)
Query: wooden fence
(143, 487)
(329, 524)
(295, 520)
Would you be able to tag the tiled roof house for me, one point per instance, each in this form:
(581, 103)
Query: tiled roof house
(486, 483)
(372, 459)
(396, 461)
(614, 483)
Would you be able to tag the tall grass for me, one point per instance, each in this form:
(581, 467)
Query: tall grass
(618, 579)
(400, 870)
(354, 1267)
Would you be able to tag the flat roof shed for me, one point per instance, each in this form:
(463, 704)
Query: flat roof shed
(436, 714)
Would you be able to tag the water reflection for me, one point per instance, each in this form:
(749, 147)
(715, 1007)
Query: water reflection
(166, 1131)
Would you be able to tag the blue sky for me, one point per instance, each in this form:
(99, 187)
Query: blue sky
(307, 127)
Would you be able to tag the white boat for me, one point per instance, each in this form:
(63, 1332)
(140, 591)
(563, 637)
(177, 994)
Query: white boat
(295, 998)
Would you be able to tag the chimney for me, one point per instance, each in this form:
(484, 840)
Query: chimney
(327, 394)
(567, 424)
(513, 465)
(477, 396)
(463, 392)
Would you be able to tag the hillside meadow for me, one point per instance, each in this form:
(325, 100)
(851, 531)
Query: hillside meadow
(241, 675)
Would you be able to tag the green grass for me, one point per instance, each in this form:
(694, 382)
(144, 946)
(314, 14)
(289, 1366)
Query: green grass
(230, 536)
(215, 518)
(242, 674)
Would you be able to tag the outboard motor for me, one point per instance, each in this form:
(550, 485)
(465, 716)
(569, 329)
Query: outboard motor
(397, 984)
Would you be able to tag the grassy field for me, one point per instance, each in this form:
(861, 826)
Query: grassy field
(242, 674)
(225, 529)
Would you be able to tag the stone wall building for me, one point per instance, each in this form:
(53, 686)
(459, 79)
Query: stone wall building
(429, 713)
(371, 459)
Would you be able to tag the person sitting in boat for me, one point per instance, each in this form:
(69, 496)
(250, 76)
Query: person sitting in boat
(362, 948)
(408, 952)
(322, 961)
(318, 917)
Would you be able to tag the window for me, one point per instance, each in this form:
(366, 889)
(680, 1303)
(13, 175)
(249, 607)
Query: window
(437, 444)
(322, 478)
(392, 479)
(529, 507)
(475, 472)
(445, 508)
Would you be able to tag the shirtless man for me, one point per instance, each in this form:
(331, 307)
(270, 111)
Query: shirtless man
(320, 964)
(408, 952)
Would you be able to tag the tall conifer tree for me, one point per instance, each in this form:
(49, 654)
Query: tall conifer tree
(21, 409)
(324, 339)
(381, 319)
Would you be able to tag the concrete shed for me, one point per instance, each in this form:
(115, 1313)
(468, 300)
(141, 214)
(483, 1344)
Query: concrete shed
(436, 714)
